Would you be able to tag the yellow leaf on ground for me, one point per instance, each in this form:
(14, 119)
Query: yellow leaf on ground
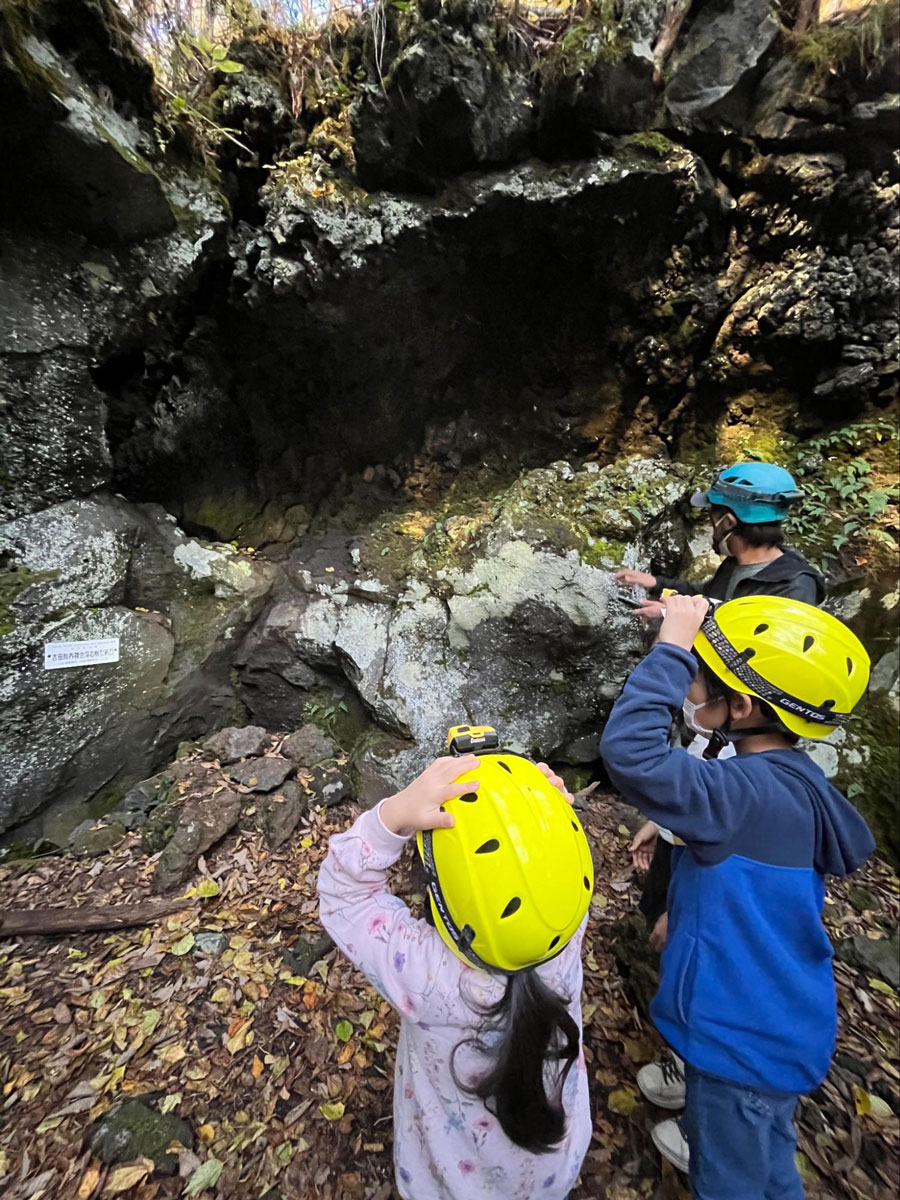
(222, 995)
(257, 1068)
(640, 1049)
(332, 1112)
(239, 1039)
(879, 985)
(801, 1162)
(128, 1175)
(206, 1134)
(89, 1181)
(869, 1105)
(622, 1101)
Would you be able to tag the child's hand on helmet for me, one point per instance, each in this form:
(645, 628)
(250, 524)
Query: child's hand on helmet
(556, 780)
(418, 807)
(684, 616)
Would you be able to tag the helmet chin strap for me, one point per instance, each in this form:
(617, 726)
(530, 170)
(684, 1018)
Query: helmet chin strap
(723, 734)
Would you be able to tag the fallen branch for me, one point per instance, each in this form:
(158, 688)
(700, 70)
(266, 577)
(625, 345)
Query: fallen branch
(77, 920)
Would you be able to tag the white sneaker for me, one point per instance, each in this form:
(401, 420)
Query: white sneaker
(663, 1083)
(672, 1144)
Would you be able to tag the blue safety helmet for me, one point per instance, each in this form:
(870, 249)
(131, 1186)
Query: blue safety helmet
(756, 492)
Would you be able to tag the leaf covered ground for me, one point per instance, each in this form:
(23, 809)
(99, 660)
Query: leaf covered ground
(285, 1080)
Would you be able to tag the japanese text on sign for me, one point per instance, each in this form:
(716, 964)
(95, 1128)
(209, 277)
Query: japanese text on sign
(80, 654)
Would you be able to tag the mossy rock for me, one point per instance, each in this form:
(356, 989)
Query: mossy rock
(651, 142)
(160, 828)
(605, 553)
(98, 840)
(14, 581)
(134, 1131)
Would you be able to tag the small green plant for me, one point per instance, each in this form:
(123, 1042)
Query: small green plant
(323, 715)
(196, 59)
(842, 507)
(854, 42)
(199, 51)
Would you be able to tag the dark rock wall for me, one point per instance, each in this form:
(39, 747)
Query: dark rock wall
(484, 246)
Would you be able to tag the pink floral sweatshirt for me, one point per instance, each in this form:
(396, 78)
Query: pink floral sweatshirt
(447, 1146)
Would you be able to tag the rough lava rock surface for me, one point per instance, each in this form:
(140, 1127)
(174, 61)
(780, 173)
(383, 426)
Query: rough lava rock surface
(103, 568)
(443, 412)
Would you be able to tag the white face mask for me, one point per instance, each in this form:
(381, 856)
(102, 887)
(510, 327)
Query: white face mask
(690, 712)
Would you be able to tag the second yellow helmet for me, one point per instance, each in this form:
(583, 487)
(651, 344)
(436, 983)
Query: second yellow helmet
(805, 663)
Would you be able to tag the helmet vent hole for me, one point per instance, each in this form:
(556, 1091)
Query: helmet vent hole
(469, 797)
(506, 767)
(760, 629)
(808, 642)
(488, 847)
(514, 905)
(575, 826)
(747, 654)
(829, 704)
(849, 666)
(555, 942)
(587, 883)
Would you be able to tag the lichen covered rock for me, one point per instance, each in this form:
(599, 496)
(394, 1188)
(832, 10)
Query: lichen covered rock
(96, 569)
(512, 638)
(228, 745)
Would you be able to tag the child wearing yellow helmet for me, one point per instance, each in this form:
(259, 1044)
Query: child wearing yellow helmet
(486, 1100)
(746, 996)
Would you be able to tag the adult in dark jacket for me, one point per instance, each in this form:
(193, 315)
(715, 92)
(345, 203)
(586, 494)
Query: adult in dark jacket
(747, 503)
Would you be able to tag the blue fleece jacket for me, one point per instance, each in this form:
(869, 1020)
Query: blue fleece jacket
(746, 990)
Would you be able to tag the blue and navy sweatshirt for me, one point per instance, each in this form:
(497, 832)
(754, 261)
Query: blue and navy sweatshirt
(746, 991)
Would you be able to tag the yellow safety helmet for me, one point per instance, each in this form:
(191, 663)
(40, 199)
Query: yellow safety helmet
(802, 661)
(510, 883)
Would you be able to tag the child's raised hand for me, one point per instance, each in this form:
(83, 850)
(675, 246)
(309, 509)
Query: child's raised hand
(418, 806)
(556, 780)
(684, 616)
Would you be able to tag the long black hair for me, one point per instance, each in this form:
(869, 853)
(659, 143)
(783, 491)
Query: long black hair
(534, 1027)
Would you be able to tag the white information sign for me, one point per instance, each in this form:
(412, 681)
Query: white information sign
(80, 654)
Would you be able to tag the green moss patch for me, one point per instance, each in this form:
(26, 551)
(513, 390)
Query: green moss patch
(14, 581)
(650, 142)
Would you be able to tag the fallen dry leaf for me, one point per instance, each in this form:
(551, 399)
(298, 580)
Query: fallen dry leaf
(126, 1176)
